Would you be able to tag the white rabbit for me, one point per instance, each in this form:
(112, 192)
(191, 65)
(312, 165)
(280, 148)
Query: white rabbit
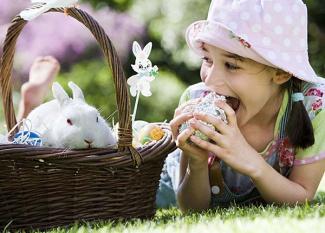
(143, 66)
(70, 123)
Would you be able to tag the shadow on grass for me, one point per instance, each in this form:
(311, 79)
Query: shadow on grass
(320, 198)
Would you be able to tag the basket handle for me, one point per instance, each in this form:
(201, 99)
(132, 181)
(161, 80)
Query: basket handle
(122, 96)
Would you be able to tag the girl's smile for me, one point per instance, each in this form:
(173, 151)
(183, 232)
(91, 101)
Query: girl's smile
(251, 89)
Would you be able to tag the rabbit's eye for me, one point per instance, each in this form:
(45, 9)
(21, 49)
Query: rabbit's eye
(140, 66)
(97, 119)
(69, 121)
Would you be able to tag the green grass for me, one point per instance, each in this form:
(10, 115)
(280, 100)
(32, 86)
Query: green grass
(303, 218)
(235, 219)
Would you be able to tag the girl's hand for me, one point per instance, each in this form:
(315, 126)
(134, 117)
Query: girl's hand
(196, 155)
(228, 143)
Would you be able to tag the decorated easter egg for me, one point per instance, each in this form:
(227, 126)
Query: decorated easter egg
(205, 105)
(150, 132)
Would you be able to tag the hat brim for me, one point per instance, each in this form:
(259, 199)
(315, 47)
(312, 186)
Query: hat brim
(300, 68)
(219, 35)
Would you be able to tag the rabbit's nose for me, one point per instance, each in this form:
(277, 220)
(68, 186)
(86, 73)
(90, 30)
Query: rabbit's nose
(88, 141)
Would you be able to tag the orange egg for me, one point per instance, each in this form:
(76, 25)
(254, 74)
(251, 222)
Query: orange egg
(150, 132)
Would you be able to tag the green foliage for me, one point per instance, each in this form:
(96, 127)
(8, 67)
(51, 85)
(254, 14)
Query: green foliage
(166, 91)
(167, 24)
(121, 5)
(316, 9)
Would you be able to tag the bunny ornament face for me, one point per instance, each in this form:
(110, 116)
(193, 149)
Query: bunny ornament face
(70, 123)
(142, 63)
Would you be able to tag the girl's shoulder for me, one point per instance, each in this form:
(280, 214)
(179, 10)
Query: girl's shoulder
(314, 100)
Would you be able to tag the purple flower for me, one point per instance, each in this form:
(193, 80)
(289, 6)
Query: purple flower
(65, 38)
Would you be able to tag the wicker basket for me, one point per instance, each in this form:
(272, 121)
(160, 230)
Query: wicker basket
(48, 187)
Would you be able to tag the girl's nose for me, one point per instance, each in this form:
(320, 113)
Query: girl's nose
(214, 78)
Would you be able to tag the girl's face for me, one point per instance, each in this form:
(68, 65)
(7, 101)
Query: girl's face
(251, 87)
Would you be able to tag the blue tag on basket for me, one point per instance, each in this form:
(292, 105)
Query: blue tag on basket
(28, 138)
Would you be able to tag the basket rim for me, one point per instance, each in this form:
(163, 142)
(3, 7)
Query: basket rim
(95, 156)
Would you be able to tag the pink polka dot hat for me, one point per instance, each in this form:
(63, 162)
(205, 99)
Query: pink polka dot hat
(273, 33)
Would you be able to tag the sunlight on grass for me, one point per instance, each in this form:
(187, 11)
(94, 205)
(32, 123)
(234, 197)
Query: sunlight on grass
(240, 225)
(308, 217)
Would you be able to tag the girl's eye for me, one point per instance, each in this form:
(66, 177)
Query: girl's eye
(97, 119)
(231, 66)
(207, 60)
(69, 121)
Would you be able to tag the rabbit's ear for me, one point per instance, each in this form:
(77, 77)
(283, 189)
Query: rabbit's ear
(136, 48)
(147, 49)
(76, 91)
(59, 93)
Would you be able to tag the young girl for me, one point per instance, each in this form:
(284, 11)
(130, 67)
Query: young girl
(273, 148)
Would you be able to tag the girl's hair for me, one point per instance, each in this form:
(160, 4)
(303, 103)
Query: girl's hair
(299, 128)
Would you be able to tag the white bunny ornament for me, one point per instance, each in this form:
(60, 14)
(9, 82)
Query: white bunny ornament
(145, 72)
(70, 122)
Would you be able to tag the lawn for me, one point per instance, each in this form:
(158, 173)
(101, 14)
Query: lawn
(303, 218)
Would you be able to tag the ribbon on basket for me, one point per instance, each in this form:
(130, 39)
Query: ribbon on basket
(33, 13)
(25, 134)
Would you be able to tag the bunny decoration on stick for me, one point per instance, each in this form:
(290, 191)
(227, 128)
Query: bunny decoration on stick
(140, 83)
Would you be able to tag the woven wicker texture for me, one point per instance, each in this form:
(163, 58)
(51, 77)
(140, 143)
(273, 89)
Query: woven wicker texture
(49, 187)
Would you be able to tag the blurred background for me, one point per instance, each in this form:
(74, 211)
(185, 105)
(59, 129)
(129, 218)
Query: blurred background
(161, 21)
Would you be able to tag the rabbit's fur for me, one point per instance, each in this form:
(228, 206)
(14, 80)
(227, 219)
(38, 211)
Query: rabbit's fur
(70, 122)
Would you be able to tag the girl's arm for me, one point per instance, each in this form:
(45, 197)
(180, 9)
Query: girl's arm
(231, 147)
(194, 188)
(301, 185)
